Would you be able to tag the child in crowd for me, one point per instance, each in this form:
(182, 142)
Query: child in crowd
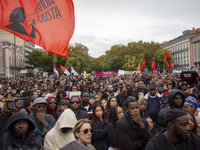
(142, 106)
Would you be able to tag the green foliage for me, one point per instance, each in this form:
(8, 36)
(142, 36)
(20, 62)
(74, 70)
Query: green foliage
(114, 59)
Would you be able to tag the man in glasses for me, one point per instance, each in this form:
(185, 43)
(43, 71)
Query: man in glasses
(44, 122)
(75, 106)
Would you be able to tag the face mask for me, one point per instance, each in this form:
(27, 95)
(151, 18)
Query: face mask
(65, 130)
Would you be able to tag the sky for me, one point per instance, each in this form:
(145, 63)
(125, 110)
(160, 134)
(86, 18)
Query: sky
(100, 24)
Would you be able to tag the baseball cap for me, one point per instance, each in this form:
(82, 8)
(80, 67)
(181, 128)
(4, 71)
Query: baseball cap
(39, 100)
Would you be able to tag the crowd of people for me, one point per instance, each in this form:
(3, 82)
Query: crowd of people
(130, 112)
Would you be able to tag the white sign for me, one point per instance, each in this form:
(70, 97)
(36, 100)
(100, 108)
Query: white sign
(23, 71)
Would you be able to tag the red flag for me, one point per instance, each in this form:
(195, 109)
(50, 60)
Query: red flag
(47, 23)
(138, 68)
(167, 61)
(143, 64)
(62, 68)
(153, 66)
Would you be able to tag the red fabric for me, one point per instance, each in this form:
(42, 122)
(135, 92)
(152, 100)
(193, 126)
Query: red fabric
(47, 23)
(106, 73)
(48, 109)
(62, 68)
(138, 68)
(143, 64)
(167, 61)
(153, 66)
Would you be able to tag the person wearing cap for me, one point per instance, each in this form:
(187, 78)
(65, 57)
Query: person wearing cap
(17, 130)
(44, 122)
(177, 135)
(153, 103)
(62, 106)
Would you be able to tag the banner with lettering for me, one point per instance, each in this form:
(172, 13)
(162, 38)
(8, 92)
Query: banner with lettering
(47, 23)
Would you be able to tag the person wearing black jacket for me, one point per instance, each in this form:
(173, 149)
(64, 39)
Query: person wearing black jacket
(116, 113)
(99, 126)
(176, 99)
(133, 131)
(126, 92)
(177, 136)
(75, 106)
(19, 133)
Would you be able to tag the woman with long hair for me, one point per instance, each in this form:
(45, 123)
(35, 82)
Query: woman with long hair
(112, 102)
(116, 113)
(99, 123)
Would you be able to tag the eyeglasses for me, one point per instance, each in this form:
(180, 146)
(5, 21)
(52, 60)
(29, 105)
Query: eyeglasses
(85, 131)
(52, 102)
(77, 102)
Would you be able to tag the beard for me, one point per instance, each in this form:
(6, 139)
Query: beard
(110, 92)
(179, 134)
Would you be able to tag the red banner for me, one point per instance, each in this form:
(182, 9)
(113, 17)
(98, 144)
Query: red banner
(167, 61)
(106, 73)
(47, 23)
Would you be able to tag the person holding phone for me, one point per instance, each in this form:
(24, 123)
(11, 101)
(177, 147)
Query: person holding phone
(20, 129)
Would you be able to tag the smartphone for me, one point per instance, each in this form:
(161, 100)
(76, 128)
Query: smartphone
(19, 103)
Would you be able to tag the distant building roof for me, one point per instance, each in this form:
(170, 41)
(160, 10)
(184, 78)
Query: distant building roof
(196, 30)
(164, 43)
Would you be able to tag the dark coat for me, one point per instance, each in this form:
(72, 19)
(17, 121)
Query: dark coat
(99, 136)
(122, 97)
(130, 136)
(80, 114)
(10, 140)
(160, 119)
(160, 142)
(112, 135)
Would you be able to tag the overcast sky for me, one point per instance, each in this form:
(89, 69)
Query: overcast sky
(100, 24)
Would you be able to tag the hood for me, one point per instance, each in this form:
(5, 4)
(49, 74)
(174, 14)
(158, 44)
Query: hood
(66, 120)
(171, 96)
(48, 109)
(20, 116)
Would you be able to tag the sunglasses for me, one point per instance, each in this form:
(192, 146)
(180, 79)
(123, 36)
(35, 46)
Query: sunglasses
(77, 102)
(52, 102)
(85, 131)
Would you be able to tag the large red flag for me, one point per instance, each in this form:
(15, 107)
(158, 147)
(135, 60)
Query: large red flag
(143, 64)
(47, 23)
(138, 68)
(167, 61)
(153, 66)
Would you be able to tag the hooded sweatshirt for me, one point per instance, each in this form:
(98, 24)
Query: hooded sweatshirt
(55, 138)
(55, 115)
(11, 140)
(160, 119)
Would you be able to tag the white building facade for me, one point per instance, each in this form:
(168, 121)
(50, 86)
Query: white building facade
(180, 49)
